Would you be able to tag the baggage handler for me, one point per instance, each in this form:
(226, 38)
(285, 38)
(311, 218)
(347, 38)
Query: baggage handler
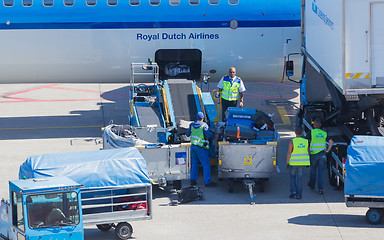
(297, 160)
(231, 88)
(317, 140)
(199, 133)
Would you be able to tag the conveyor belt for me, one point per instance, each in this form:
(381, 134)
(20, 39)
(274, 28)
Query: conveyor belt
(183, 99)
(149, 115)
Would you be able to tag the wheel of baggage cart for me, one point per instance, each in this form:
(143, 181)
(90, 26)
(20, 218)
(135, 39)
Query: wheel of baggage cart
(177, 184)
(231, 185)
(331, 175)
(104, 227)
(374, 215)
(123, 230)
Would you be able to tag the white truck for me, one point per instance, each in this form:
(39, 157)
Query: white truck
(343, 76)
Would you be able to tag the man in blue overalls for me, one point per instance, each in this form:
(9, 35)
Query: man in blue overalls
(199, 133)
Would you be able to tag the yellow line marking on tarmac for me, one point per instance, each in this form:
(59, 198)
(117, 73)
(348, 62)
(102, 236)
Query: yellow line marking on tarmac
(283, 115)
(34, 128)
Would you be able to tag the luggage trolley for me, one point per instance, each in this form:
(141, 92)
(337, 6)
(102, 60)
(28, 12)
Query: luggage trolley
(245, 154)
(114, 207)
(364, 185)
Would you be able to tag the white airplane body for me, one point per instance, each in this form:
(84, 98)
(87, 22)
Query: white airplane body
(97, 44)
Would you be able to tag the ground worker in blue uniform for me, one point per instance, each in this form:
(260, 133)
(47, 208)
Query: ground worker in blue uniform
(297, 160)
(199, 133)
(232, 89)
(317, 140)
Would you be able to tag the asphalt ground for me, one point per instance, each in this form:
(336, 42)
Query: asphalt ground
(51, 118)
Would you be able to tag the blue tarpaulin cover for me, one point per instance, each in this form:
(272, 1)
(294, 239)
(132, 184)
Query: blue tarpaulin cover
(92, 169)
(365, 166)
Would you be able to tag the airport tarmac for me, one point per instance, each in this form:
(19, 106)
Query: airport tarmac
(51, 118)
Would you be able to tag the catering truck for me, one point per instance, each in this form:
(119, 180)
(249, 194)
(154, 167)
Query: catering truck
(342, 80)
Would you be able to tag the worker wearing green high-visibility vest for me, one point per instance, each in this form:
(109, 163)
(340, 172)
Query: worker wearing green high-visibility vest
(232, 89)
(318, 139)
(198, 131)
(297, 160)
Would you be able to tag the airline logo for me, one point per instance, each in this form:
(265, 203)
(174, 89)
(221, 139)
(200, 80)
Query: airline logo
(301, 146)
(176, 36)
(320, 135)
(322, 15)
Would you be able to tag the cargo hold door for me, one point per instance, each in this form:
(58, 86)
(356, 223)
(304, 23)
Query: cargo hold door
(377, 44)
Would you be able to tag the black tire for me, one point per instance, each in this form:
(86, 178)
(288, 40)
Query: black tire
(331, 175)
(123, 231)
(104, 227)
(231, 185)
(177, 184)
(374, 215)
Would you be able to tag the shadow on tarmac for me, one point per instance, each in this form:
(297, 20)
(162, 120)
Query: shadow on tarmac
(113, 108)
(76, 124)
(336, 220)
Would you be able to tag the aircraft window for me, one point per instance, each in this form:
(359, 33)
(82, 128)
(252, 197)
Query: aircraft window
(174, 2)
(112, 2)
(8, 3)
(27, 3)
(233, 2)
(134, 2)
(48, 3)
(213, 2)
(69, 2)
(91, 2)
(194, 2)
(154, 2)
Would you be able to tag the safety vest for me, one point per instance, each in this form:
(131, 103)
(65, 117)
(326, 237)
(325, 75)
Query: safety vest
(299, 155)
(230, 89)
(318, 140)
(197, 137)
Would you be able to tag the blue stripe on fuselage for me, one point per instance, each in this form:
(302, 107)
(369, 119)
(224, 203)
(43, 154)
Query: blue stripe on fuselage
(149, 25)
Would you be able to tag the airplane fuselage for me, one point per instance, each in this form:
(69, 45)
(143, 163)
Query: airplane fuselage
(82, 43)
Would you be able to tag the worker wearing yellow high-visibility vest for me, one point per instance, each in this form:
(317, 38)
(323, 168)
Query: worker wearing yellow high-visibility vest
(198, 130)
(318, 139)
(231, 88)
(297, 160)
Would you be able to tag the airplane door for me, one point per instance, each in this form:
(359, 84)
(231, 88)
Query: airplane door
(179, 63)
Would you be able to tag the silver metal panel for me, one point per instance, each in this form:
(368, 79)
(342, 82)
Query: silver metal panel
(365, 204)
(116, 217)
(163, 162)
(112, 196)
(246, 161)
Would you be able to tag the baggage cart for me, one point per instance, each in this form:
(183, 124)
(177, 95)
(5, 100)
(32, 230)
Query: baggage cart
(364, 168)
(248, 149)
(247, 162)
(115, 189)
(165, 163)
(114, 207)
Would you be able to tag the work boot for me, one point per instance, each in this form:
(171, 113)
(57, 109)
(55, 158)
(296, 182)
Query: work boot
(193, 183)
